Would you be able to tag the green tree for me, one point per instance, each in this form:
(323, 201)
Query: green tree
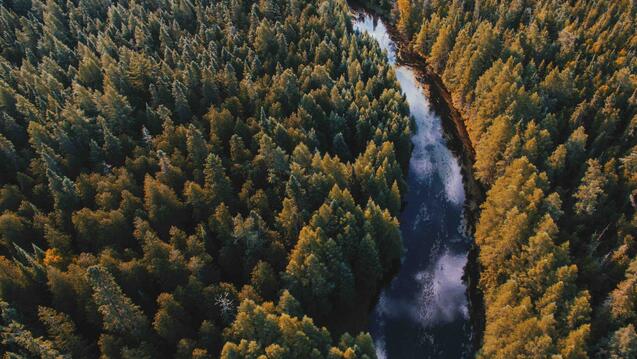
(163, 207)
(591, 192)
(623, 344)
(408, 16)
(217, 184)
(19, 341)
(441, 48)
(63, 333)
(264, 280)
(171, 320)
(119, 314)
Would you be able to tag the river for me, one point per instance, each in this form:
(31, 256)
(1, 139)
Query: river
(423, 312)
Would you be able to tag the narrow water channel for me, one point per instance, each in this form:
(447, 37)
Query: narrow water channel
(423, 312)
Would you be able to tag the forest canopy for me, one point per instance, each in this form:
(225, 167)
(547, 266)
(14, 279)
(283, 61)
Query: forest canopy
(194, 179)
(199, 179)
(548, 93)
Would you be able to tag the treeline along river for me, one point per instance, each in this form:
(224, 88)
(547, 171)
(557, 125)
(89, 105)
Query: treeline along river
(424, 312)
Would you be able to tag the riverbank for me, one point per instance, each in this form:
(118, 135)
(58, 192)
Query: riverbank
(458, 141)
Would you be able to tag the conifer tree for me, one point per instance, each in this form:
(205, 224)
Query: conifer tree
(119, 314)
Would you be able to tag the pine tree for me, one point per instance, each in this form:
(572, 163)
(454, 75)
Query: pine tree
(171, 320)
(409, 12)
(441, 48)
(217, 184)
(264, 280)
(63, 333)
(162, 204)
(119, 314)
(591, 192)
(197, 152)
(623, 344)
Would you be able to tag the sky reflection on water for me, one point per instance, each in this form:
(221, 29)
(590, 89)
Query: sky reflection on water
(423, 312)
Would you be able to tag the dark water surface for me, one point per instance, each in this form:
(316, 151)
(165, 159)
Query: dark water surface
(423, 313)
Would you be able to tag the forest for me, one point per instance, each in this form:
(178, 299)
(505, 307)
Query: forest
(194, 179)
(203, 179)
(548, 93)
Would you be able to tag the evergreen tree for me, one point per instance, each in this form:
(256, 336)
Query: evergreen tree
(62, 332)
(119, 314)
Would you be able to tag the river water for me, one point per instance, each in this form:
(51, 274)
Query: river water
(423, 312)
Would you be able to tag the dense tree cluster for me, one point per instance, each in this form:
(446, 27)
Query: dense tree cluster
(278, 332)
(548, 90)
(195, 179)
